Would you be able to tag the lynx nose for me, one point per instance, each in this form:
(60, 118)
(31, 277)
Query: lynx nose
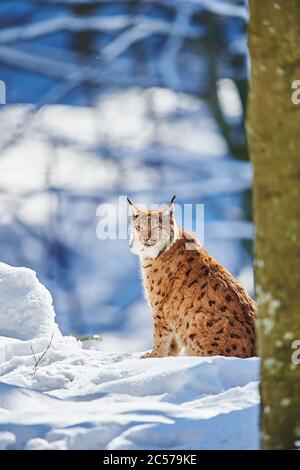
(146, 235)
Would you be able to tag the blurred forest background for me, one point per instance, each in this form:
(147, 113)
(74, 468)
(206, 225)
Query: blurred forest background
(144, 98)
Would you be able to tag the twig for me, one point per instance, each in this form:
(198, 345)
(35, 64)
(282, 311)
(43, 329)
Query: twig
(33, 354)
(37, 361)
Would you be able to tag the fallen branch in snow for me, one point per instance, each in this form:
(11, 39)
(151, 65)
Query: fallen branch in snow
(37, 361)
(90, 338)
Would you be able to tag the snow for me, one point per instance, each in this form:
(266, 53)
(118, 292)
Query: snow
(28, 313)
(78, 398)
(6, 439)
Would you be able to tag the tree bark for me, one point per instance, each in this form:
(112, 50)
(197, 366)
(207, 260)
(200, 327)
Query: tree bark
(273, 129)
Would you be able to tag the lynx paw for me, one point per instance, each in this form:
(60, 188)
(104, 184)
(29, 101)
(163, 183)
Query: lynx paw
(146, 355)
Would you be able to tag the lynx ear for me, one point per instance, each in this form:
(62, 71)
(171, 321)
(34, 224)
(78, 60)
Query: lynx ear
(133, 210)
(169, 209)
(172, 200)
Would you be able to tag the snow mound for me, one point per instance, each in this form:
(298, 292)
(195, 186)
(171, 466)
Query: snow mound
(26, 309)
(6, 439)
(58, 395)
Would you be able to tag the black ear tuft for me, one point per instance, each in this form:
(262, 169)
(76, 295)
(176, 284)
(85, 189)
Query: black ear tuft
(173, 199)
(129, 201)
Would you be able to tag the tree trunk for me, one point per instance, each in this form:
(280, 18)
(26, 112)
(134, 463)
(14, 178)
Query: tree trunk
(274, 138)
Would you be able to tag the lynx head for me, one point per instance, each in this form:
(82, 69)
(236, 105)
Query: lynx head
(152, 231)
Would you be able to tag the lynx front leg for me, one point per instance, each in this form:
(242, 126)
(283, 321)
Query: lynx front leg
(161, 341)
(174, 348)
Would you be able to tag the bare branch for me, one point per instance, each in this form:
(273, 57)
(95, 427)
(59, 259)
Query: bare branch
(73, 23)
(37, 361)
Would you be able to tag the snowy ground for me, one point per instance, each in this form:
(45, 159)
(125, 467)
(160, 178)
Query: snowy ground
(78, 397)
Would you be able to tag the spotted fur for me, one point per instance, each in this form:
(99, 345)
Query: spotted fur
(196, 303)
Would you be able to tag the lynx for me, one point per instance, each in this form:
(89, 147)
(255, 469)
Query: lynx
(196, 303)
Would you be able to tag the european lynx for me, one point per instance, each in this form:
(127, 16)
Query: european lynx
(196, 303)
